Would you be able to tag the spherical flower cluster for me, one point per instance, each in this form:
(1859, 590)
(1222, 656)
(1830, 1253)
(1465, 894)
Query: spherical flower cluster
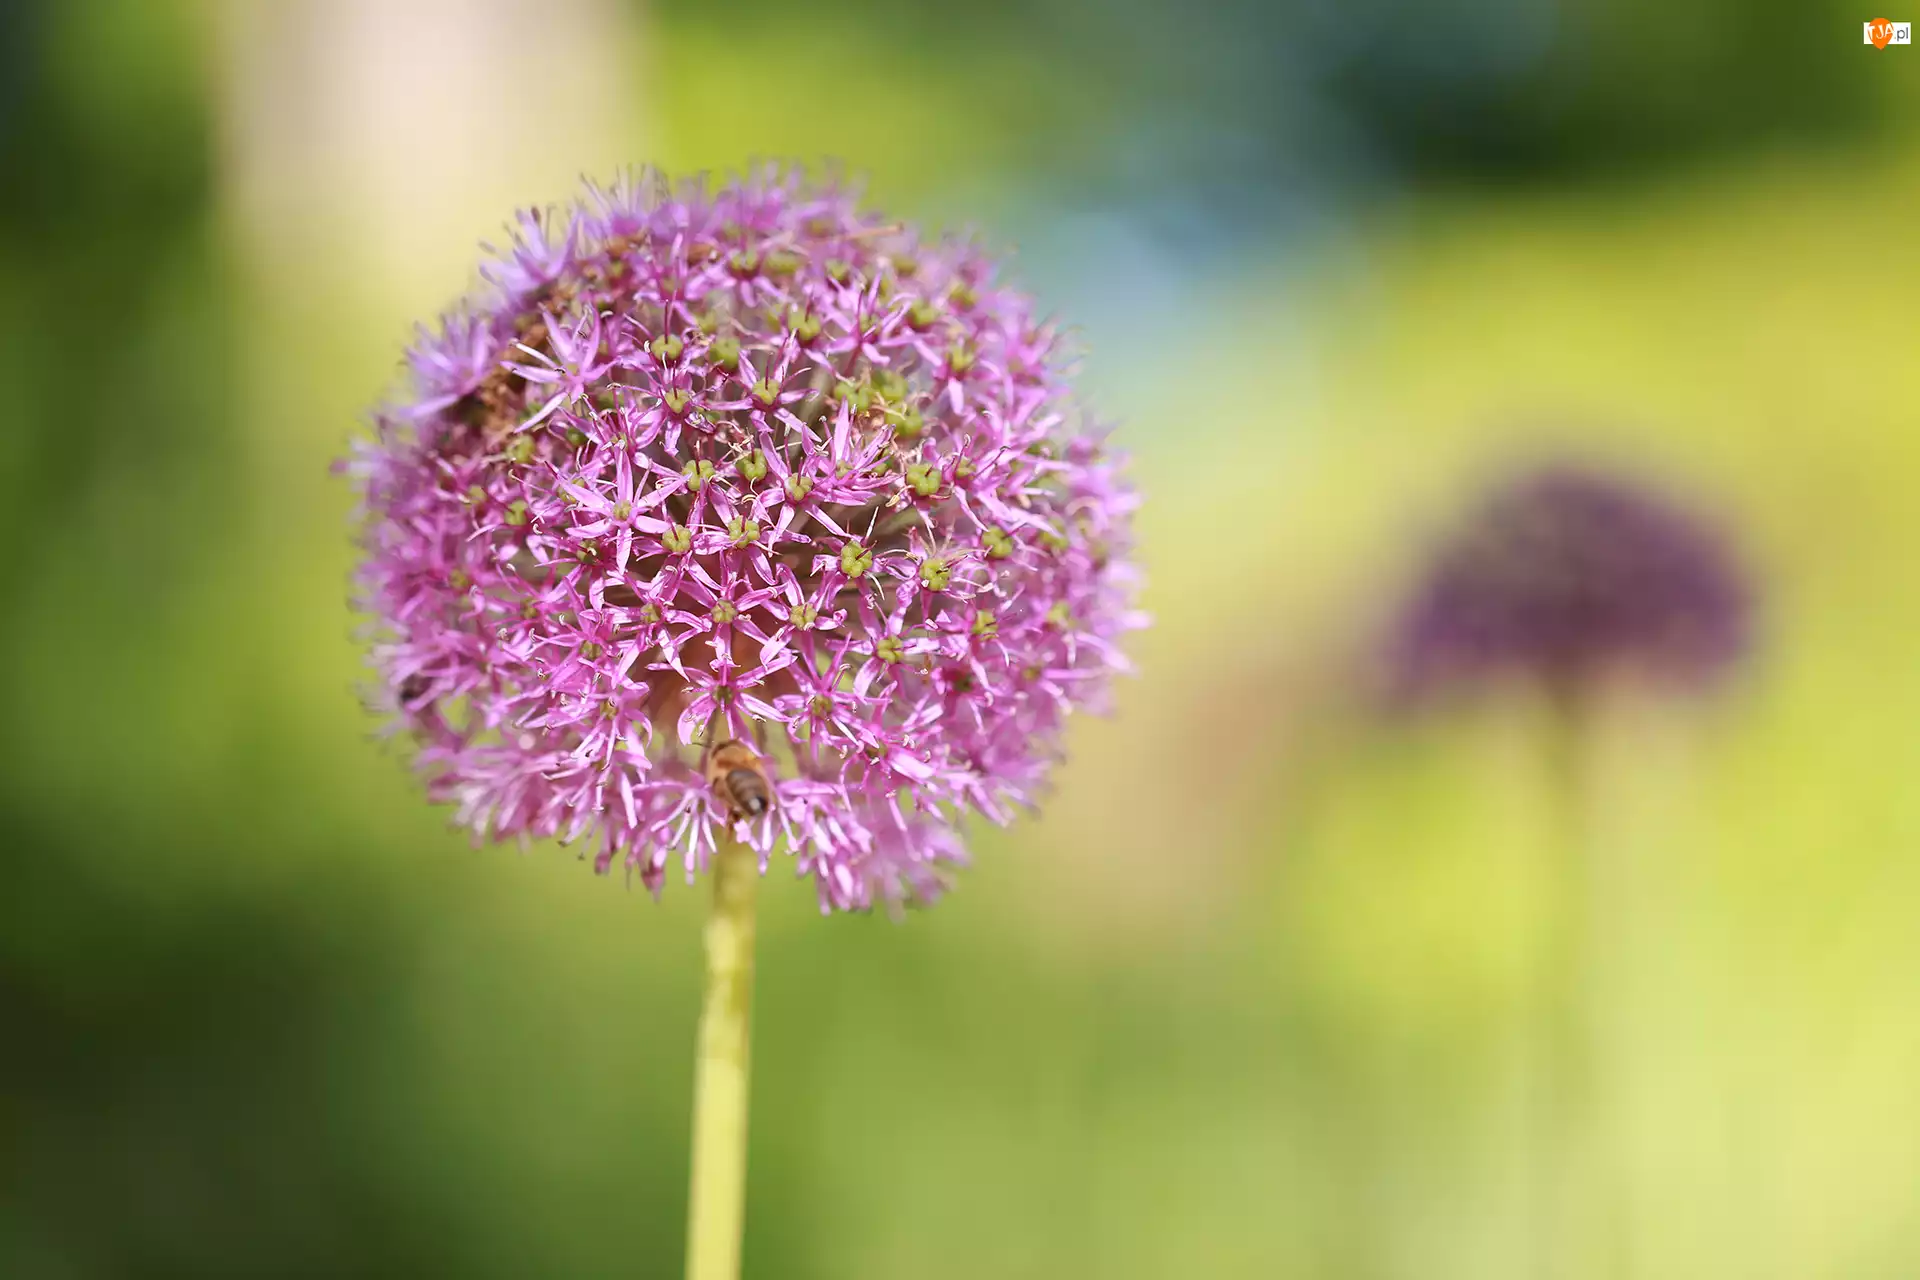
(1564, 575)
(743, 470)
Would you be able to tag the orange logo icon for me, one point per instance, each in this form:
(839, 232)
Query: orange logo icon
(1884, 31)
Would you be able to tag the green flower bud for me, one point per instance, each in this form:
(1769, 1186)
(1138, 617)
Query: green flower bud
(753, 467)
(725, 352)
(697, 471)
(855, 560)
(858, 394)
(908, 423)
(667, 347)
(935, 573)
(998, 543)
(723, 612)
(923, 478)
(804, 325)
(798, 486)
(677, 539)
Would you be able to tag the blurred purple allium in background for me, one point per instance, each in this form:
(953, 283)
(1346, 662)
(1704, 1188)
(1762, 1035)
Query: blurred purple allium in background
(742, 465)
(1565, 575)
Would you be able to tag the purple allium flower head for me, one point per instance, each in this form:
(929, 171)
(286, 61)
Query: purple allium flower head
(748, 466)
(1565, 574)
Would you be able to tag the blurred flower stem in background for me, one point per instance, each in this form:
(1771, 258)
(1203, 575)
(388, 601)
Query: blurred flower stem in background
(1584, 1126)
(717, 1195)
(1577, 1223)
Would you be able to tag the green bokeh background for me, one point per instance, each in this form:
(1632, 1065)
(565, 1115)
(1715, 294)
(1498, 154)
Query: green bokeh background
(1254, 996)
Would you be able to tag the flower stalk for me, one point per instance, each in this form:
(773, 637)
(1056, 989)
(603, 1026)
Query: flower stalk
(1583, 1225)
(717, 1199)
(729, 520)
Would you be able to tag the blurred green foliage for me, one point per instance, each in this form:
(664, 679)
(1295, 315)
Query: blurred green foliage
(1247, 1000)
(1136, 98)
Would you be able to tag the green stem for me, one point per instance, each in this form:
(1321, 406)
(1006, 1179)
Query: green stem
(1562, 1089)
(1580, 1223)
(717, 1201)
